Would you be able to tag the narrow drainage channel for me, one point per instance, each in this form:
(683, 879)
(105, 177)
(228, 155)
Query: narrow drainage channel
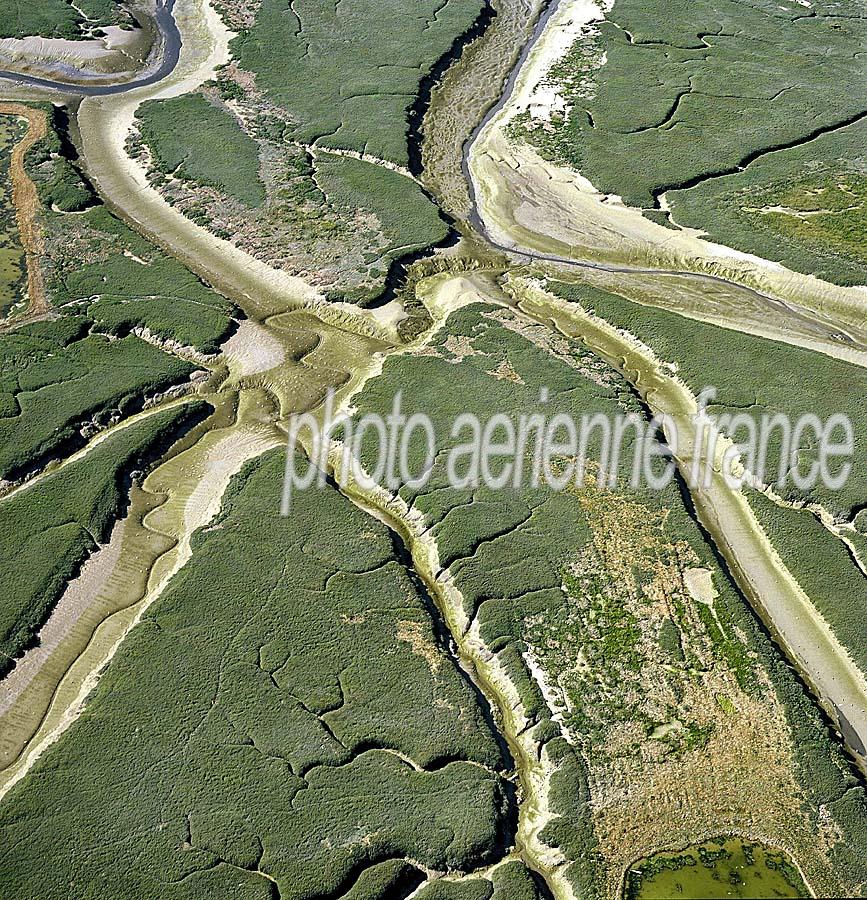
(418, 111)
(398, 269)
(493, 699)
(446, 640)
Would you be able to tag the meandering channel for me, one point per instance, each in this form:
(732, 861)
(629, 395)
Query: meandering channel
(836, 313)
(170, 37)
(104, 120)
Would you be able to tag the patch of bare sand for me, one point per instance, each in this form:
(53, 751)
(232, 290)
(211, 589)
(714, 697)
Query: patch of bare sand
(114, 38)
(75, 602)
(252, 350)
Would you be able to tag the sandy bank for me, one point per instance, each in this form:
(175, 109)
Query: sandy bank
(530, 204)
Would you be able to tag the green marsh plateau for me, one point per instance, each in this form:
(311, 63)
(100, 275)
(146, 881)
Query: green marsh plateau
(455, 689)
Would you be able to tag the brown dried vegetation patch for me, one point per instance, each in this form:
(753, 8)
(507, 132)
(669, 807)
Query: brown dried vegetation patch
(683, 734)
(26, 202)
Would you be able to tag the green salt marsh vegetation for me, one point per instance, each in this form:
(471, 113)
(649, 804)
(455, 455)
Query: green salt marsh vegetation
(48, 530)
(58, 381)
(12, 260)
(121, 281)
(306, 725)
(823, 566)
(408, 219)
(58, 181)
(56, 18)
(805, 207)
(196, 140)
(98, 267)
(348, 74)
(771, 162)
(667, 77)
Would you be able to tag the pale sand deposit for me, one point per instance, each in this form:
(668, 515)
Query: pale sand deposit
(194, 483)
(252, 350)
(76, 600)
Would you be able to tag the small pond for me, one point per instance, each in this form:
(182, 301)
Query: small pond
(723, 868)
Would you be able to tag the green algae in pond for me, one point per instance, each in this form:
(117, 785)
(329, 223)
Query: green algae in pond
(715, 869)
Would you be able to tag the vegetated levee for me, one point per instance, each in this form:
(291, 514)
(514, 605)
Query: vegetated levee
(639, 87)
(726, 304)
(344, 224)
(13, 264)
(661, 713)
(825, 568)
(320, 730)
(753, 376)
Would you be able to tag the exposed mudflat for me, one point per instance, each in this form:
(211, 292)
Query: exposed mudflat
(525, 204)
(117, 56)
(193, 485)
(548, 212)
(468, 89)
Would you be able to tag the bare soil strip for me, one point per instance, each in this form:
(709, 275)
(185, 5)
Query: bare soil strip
(26, 202)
